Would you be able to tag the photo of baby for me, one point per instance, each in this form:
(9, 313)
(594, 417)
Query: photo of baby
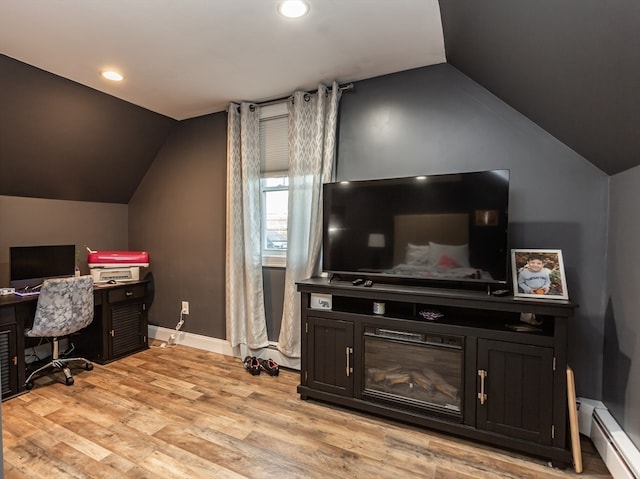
(538, 274)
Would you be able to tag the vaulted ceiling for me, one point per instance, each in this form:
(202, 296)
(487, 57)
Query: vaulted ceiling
(188, 58)
(571, 66)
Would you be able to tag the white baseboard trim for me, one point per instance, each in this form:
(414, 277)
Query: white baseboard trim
(619, 454)
(222, 346)
(192, 340)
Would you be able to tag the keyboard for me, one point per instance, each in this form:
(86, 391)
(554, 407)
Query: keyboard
(26, 293)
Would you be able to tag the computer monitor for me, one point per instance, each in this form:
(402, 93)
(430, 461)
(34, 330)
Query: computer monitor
(30, 265)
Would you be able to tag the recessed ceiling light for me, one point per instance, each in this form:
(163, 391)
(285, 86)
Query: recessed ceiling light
(293, 8)
(113, 76)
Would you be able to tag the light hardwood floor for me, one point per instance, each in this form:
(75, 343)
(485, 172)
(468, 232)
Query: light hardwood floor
(185, 413)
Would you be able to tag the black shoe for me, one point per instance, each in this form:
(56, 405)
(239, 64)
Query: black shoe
(252, 365)
(270, 366)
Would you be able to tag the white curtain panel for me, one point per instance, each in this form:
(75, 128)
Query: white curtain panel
(312, 149)
(245, 315)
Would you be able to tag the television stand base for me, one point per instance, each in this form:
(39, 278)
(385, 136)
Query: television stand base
(505, 385)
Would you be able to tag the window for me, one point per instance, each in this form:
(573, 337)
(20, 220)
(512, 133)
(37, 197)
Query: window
(275, 196)
(274, 183)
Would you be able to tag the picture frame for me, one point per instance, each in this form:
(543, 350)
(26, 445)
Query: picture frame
(538, 273)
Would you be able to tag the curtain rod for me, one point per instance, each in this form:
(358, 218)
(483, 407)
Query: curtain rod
(345, 87)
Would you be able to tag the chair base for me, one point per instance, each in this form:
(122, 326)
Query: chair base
(61, 364)
(57, 363)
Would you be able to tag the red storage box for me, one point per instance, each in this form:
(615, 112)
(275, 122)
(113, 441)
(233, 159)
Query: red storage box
(114, 259)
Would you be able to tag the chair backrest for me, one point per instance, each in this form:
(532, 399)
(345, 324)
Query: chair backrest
(65, 305)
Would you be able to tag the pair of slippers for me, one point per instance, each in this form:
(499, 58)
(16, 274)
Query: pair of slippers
(256, 365)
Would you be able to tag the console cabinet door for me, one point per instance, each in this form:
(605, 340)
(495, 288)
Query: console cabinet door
(127, 320)
(330, 361)
(8, 360)
(517, 394)
(128, 328)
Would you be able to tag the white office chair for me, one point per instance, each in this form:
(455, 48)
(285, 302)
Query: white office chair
(65, 305)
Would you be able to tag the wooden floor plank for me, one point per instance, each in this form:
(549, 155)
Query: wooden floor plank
(185, 413)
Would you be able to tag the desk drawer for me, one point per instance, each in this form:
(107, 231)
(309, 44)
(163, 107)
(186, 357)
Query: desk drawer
(123, 294)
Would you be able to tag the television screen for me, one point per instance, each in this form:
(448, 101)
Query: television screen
(450, 228)
(30, 265)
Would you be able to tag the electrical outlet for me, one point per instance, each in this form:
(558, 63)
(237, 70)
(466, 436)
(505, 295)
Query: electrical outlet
(185, 307)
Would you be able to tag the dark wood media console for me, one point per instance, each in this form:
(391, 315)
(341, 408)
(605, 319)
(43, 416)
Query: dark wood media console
(457, 361)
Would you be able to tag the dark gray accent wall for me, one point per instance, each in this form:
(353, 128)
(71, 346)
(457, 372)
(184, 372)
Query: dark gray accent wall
(424, 121)
(62, 140)
(570, 66)
(178, 215)
(431, 120)
(436, 120)
(273, 278)
(621, 393)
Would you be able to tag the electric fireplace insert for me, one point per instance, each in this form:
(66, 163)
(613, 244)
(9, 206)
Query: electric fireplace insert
(413, 369)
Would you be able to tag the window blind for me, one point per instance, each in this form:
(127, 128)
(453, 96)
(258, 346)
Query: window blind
(274, 140)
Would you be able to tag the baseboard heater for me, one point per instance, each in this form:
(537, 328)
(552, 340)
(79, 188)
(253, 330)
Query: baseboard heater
(619, 454)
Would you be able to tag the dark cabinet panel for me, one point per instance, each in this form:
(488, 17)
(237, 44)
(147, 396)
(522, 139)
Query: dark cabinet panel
(11, 366)
(128, 328)
(330, 346)
(518, 388)
(126, 293)
(8, 360)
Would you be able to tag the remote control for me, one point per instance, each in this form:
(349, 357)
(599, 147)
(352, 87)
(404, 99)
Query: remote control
(500, 292)
(358, 281)
(368, 283)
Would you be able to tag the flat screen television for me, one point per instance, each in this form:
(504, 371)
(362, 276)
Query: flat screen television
(439, 229)
(29, 266)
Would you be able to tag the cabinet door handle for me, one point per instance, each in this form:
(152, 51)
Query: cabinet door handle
(348, 352)
(128, 293)
(481, 395)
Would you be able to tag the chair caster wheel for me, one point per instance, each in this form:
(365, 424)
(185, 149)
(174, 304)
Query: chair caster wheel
(68, 381)
(29, 386)
(88, 366)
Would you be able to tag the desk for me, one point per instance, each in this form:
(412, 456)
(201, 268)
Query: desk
(119, 328)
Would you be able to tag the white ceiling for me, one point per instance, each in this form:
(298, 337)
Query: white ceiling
(186, 58)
